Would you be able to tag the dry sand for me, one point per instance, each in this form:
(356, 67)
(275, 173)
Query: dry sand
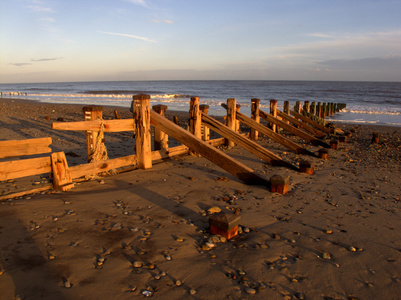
(335, 235)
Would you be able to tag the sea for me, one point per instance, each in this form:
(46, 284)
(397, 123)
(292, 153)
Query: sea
(366, 102)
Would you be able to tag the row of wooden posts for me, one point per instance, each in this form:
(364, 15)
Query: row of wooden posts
(196, 141)
(200, 125)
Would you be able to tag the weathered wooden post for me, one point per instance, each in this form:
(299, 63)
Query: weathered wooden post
(255, 116)
(224, 224)
(195, 120)
(141, 113)
(279, 184)
(334, 144)
(312, 108)
(231, 117)
(323, 153)
(324, 110)
(237, 122)
(92, 113)
(273, 113)
(306, 167)
(286, 110)
(298, 107)
(160, 141)
(306, 106)
(205, 130)
(319, 109)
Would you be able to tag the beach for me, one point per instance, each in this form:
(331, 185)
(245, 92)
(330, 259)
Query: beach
(334, 235)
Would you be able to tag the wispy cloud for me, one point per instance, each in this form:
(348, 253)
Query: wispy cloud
(364, 63)
(46, 59)
(319, 35)
(138, 2)
(130, 36)
(164, 21)
(39, 7)
(19, 64)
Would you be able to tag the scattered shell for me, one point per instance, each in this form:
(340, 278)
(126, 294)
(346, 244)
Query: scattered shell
(214, 210)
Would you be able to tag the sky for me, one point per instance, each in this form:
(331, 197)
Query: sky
(112, 40)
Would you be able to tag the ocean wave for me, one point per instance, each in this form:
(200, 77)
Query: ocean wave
(372, 112)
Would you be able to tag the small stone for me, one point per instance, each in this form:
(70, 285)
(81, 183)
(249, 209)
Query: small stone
(168, 257)
(241, 273)
(51, 257)
(263, 246)
(147, 293)
(210, 245)
(326, 255)
(157, 277)
(102, 182)
(192, 292)
(137, 264)
(352, 249)
(328, 231)
(178, 283)
(67, 284)
(293, 241)
(250, 291)
(179, 239)
(223, 239)
(151, 266)
(247, 230)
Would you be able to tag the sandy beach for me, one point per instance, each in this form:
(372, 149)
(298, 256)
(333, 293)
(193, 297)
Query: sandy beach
(334, 235)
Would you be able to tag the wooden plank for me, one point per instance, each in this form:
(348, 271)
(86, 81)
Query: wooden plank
(303, 135)
(246, 143)
(209, 152)
(109, 125)
(311, 122)
(47, 187)
(273, 135)
(254, 135)
(91, 169)
(24, 167)
(303, 125)
(14, 148)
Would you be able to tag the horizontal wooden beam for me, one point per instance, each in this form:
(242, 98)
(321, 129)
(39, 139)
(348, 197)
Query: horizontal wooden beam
(13, 148)
(303, 125)
(311, 122)
(109, 125)
(273, 135)
(302, 134)
(246, 143)
(216, 156)
(24, 167)
(94, 168)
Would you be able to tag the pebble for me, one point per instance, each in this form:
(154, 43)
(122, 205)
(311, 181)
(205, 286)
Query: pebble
(179, 239)
(246, 230)
(137, 264)
(147, 293)
(157, 277)
(67, 284)
(178, 283)
(210, 245)
(192, 292)
(352, 249)
(249, 290)
(240, 272)
(326, 255)
(168, 257)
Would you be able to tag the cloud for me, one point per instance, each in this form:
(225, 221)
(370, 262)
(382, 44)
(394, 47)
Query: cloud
(138, 2)
(19, 64)
(364, 63)
(130, 36)
(159, 21)
(46, 59)
(319, 35)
